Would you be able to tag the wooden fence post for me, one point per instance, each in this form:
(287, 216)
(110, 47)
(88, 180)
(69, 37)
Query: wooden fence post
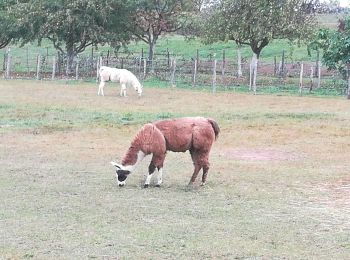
(223, 68)
(311, 78)
(144, 67)
(282, 68)
(98, 66)
(38, 64)
(168, 57)
(4, 64)
(348, 81)
(77, 70)
(107, 61)
(194, 77)
(319, 74)
(53, 67)
(214, 77)
(172, 78)
(8, 65)
(301, 79)
(139, 67)
(27, 52)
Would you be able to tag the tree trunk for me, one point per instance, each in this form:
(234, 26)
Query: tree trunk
(253, 72)
(239, 61)
(151, 47)
(70, 58)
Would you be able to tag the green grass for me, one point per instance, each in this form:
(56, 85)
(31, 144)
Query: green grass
(277, 187)
(31, 116)
(180, 47)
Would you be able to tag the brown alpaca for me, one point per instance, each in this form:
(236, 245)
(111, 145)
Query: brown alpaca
(195, 134)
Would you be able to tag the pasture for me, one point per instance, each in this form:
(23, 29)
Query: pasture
(278, 186)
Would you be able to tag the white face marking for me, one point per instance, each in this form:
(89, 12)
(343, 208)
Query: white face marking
(121, 183)
(130, 168)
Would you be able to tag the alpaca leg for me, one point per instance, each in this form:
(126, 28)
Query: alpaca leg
(159, 177)
(123, 90)
(197, 168)
(151, 169)
(100, 88)
(205, 173)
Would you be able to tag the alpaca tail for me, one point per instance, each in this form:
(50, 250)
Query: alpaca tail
(215, 126)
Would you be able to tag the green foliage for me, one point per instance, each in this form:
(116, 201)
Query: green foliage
(154, 18)
(257, 23)
(335, 46)
(8, 26)
(72, 26)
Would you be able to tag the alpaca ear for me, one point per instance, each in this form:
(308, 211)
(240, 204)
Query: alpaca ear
(116, 165)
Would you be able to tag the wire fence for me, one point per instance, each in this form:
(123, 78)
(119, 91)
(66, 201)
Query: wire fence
(179, 71)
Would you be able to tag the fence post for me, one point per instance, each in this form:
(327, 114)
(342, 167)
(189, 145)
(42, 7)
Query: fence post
(223, 68)
(319, 74)
(4, 64)
(301, 79)
(77, 70)
(107, 62)
(348, 87)
(282, 66)
(53, 67)
(98, 66)
(214, 77)
(38, 63)
(27, 52)
(8, 65)
(144, 68)
(172, 78)
(168, 57)
(194, 73)
(311, 78)
(139, 67)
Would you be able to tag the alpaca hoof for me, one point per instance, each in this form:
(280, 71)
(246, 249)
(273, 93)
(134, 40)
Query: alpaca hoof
(146, 185)
(158, 185)
(203, 184)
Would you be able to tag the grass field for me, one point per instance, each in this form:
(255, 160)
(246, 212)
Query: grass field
(278, 187)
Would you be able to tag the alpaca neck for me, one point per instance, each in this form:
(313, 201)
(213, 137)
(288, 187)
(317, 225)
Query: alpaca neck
(132, 158)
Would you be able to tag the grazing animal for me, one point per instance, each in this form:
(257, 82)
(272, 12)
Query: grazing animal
(123, 76)
(195, 134)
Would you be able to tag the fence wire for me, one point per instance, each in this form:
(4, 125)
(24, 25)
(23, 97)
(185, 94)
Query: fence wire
(177, 71)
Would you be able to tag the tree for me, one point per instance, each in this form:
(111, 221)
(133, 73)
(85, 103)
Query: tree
(257, 23)
(155, 17)
(8, 24)
(336, 49)
(73, 25)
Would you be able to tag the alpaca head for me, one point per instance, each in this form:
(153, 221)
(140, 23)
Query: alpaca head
(122, 173)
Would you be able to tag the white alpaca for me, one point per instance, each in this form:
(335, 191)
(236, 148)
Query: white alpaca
(123, 76)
